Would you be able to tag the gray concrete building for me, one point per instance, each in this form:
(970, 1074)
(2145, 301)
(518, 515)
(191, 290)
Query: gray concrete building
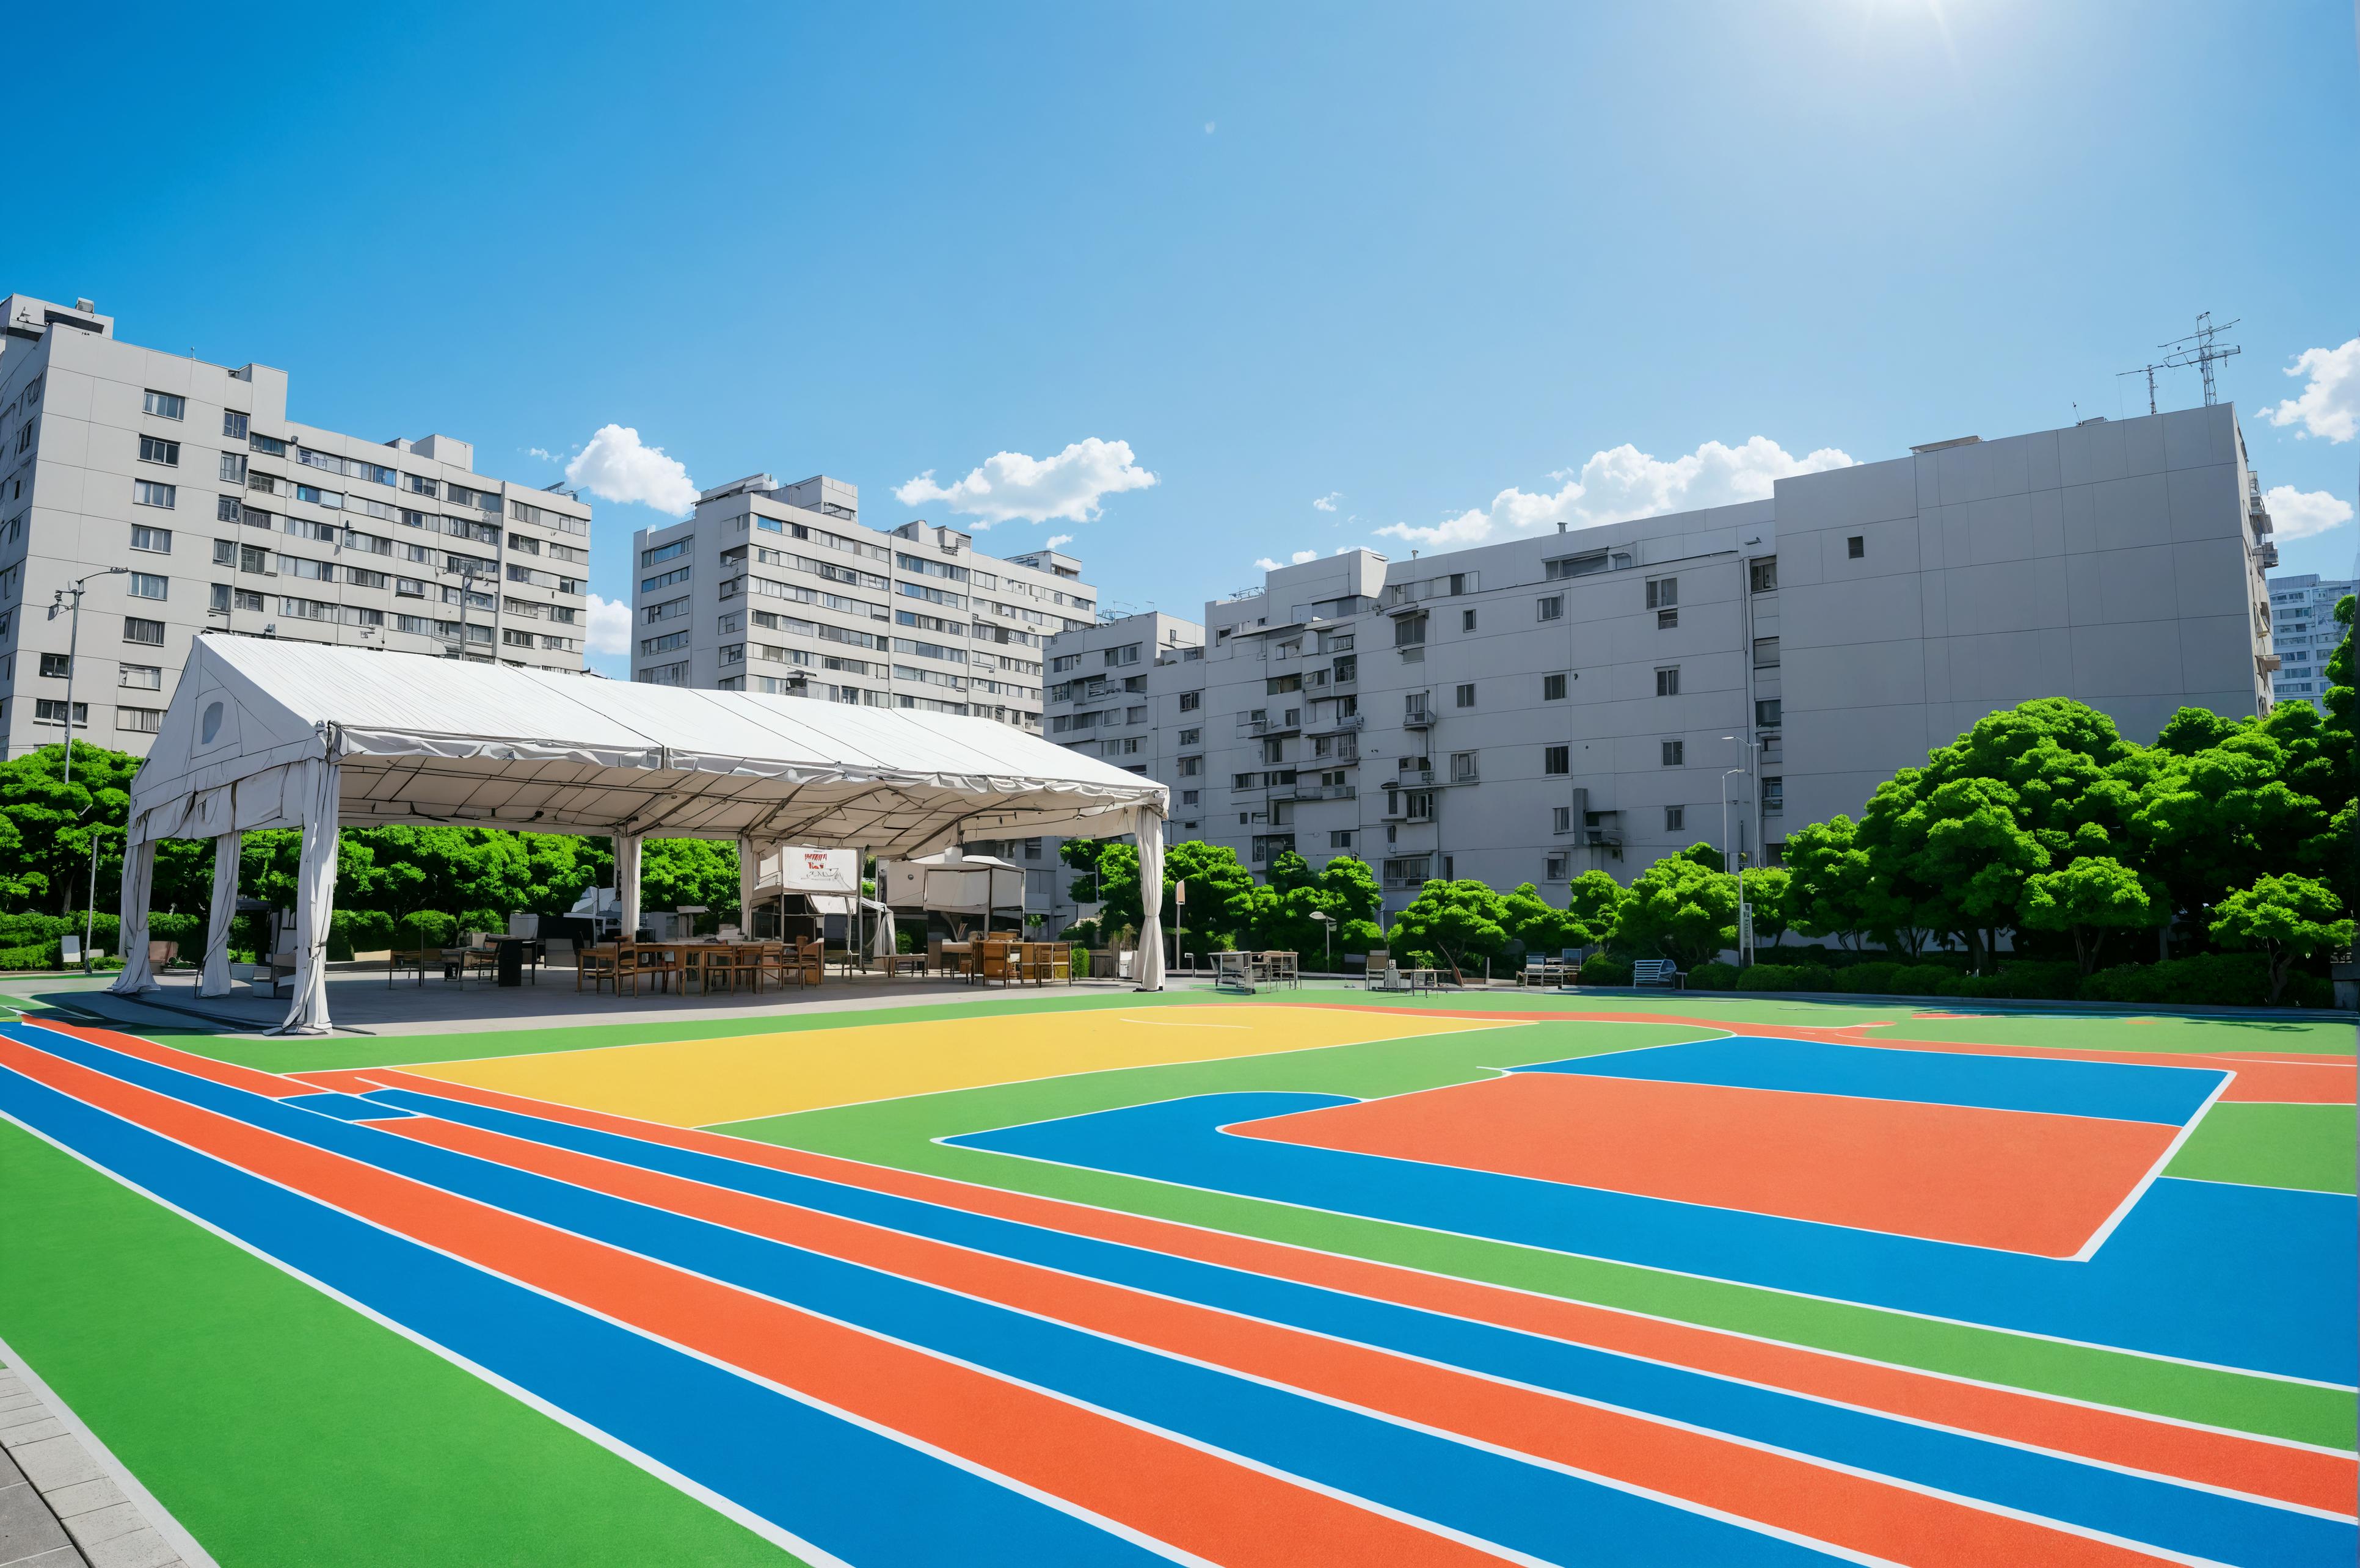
(1546, 705)
(779, 588)
(2304, 634)
(226, 516)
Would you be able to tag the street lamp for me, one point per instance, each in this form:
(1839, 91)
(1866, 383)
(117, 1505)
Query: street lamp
(1745, 914)
(74, 649)
(1326, 937)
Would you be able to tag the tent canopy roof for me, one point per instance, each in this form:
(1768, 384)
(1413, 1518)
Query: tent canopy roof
(432, 741)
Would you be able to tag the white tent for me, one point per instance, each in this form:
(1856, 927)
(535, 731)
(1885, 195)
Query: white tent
(268, 734)
(954, 882)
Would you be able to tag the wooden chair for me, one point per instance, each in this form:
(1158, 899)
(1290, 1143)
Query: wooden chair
(802, 961)
(415, 958)
(1378, 960)
(746, 967)
(999, 961)
(281, 968)
(596, 965)
(1283, 969)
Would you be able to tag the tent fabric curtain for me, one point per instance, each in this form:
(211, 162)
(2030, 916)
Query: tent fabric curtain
(1147, 827)
(884, 946)
(315, 900)
(215, 979)
(626, 882)
(748, 867)
(139, 878)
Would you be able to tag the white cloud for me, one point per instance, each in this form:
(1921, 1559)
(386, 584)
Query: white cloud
(611, 625)
(1626, 482)
(545, 454)
(1208, 127)
(2299, 514)
(1054, 541)
(1328, 502)
(1012, 487)
(2329, 404)
(1265, 564)
(1298, 558)
(615, 467)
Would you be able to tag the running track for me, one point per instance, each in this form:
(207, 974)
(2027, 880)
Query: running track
(878, 1368)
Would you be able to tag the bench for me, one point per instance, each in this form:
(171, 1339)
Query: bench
(1658, 972)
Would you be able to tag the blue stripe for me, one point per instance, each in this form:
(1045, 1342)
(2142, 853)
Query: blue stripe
(2121, 1090)
(1504, 1500)
(2250, 1277)
(344, 1107)
(2182, 1518)
(844, 1488)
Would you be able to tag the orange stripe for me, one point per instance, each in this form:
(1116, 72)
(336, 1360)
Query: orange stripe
(2229, 1460)
(1166, 1489)
(236, 1077)
(1793, 1495)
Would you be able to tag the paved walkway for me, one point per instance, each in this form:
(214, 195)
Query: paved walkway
(65, 1502)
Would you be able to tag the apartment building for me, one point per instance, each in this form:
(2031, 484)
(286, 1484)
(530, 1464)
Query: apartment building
(770, 587)
(1547, 705)
(2303, 634)
(223, 515)
(1129, 690)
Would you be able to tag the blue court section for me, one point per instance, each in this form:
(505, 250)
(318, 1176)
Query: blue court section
(2255, 1277)
(345, 1108)
(2123, 1091)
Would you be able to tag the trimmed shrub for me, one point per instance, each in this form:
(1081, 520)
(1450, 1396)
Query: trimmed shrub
(1713, 977)
(1605, 972)
(1870, 979)
(1788, 977)
(428, 928)
(2230, 979)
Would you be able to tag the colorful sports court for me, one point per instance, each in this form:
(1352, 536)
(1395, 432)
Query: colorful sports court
(1127, 1278)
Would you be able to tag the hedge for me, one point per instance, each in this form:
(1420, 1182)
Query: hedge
(1604, 971)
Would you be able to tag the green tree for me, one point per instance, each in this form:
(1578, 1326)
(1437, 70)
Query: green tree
(1082, 856)
(2090, 898)
(1285, 909)
(1828, 891)
(55, 821)
(673, 872)
(1680, 909)
(1593, 906)
(1767, 889)
(1539, 925)
(1459, 923)
(2220, 817)
(2288, 917)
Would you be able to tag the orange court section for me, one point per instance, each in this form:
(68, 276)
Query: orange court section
(2023, 1182)
(701, 1082)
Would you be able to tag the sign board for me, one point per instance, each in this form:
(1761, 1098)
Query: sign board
(810, 871)
(1180, 891)
(1744, 925)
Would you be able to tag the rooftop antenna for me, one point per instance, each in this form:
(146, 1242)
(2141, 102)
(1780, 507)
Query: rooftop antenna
(2148, 370)
(2199, 350)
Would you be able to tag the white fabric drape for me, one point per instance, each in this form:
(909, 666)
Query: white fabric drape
(886, 937)
(315, 900)
(626, 882)
(215, 980)
(748, 865)
(138, 880)
(1147, 827)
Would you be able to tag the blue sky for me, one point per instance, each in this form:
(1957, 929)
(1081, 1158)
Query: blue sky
(1437, 266)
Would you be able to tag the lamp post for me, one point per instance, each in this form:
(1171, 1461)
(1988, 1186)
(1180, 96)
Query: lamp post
(1326, 939)
(73, 650)
(1744, 914)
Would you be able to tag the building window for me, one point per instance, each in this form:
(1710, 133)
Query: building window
(1553, 688)
(1774, 796)
(1768, 710)
(1856, 546)
(1551, 608)
(1765, 573)
(227, 510)
(140, 721)
(1465, 694)
(1663, 592)
(243, 600)
(1127, 654)
(232, 424)
(1560, 819)
(1339, 838)
(141, 677)
(1676, 752)
(56, 666)
(46, 712)
(217, 598)
(1676, 818)
(1560, 868)
(1666, 619)
(155, 449)
(1667, 681)
(1409, 631)
(224, 552)
(1418, 805)
(1466, 620)
(1765, 653)
(147, 493)
(1556, 759)
(159, 541)
(1191, 797)
(149, 585)
(232, 467)
(1191, 737)
(167, 405)
(135, 629)
(1463, 768)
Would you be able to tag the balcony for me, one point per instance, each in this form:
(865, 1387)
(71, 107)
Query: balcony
(1288, 723)
(1419, 719)
(1316, 793)
(2267, 554)
(1350, 724)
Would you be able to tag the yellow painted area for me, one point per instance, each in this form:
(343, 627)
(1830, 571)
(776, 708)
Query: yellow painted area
(697, 1083)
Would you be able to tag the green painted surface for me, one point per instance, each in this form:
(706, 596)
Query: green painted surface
(280, 1427)
(2272, 1145)
(2139, 1032)
(901, 1133)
